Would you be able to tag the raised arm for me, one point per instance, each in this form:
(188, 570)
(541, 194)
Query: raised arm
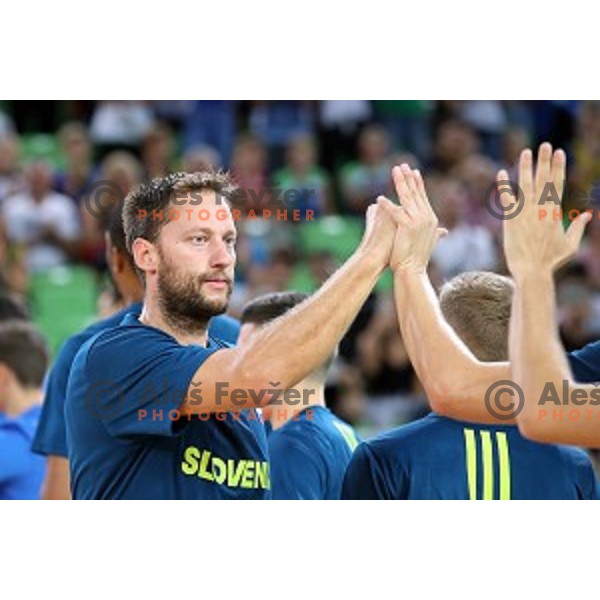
(285, 351)
(535, 246)
(454, 380)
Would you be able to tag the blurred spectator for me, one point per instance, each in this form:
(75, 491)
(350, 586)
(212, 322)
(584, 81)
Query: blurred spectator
(43, 222)
(407, 122)
(11, 180)
(120, 123)
(579, 316)
(124, 170)
(212, 123)
(390, 379)
(514, 141)
(11, 309)
(157, 151)
(467, 247)
(201, 158)
(586, 148)
(489, 119)
(23, 364)
(79, 172)
(455, 141)
(341, 122)
(303, 176)
(363, 180)
(249, 166)
(276, 123)
(6, 125)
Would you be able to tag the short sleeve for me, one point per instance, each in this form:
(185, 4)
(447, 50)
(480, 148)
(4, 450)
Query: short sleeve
(365, 478)
(295, 473)
(51, 437)
(585, 363)
(135, 380)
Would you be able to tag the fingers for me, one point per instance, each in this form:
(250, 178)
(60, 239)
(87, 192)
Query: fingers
(559, 168)
(397, 213)
(543, 172)
(526, 175)
(405, 188)
(576, 230)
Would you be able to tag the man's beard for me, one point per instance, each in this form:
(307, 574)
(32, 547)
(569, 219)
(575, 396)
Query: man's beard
(183, 305)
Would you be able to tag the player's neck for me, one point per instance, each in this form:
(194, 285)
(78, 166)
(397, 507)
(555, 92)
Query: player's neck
(153, 316)
(19, 401)
(311, 394)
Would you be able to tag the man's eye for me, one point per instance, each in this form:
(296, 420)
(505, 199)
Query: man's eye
(230, 241)
(199, 239)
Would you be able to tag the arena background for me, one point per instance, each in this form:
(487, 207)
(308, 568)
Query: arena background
(342, 152)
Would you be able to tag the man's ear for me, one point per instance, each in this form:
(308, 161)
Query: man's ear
(145, 255)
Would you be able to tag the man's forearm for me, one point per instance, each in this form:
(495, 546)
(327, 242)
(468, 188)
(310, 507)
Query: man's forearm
(454, 380)
(537, 356)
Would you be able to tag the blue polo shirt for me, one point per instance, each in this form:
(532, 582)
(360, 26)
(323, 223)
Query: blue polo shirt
(126, 438)
(437, 458)
(50, 438)
(21, 471)
(309, 455)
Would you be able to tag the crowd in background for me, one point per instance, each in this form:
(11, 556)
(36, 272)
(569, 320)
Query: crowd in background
(52, 153)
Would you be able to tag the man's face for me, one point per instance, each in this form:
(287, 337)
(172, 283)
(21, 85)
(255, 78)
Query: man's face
(196, 259)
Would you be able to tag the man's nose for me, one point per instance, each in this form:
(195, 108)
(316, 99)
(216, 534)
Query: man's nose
(222, 255)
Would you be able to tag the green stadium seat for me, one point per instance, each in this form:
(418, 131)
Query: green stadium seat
(63, 301)
(335, 234)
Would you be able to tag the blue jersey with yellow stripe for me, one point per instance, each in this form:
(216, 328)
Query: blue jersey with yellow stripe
(309, 455)
(441, 459)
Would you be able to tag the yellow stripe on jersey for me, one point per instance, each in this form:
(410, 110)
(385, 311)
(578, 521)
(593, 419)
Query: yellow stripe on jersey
(348, 434)
(488, 465)
(471, 455)
(503, 456)
(487, 452)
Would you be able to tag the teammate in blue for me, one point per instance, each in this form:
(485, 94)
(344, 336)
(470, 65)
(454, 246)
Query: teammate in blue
(50, 438)
(23, 362)
(439, 458)
(151, 404)
(309, 447)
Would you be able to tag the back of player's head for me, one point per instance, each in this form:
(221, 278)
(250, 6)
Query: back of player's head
(11, 309)
(477, 305)
(269, 307)
(113, 227)
(23, 351)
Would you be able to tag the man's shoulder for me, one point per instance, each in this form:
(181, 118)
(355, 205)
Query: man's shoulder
(408, 436)
(75, 342)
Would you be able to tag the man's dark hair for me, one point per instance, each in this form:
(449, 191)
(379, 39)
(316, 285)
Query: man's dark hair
(11, 309)
(269, 307)
(23, 350)
(113, 225)
(266, 308)
(155, 196)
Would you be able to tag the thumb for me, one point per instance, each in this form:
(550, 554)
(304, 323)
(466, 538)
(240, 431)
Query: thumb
(576, 229)
(440, 232)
